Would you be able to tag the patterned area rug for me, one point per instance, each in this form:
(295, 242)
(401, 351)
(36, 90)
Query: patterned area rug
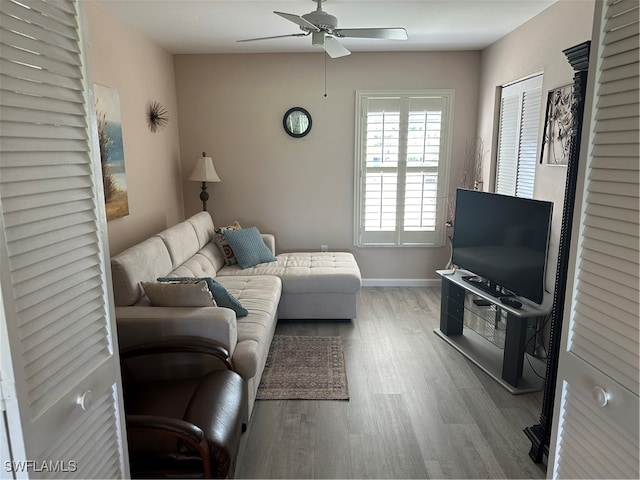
(304, 368)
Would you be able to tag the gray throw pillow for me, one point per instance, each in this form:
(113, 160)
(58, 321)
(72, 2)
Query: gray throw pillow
(248, 247)
(190, 293)
(221, 295)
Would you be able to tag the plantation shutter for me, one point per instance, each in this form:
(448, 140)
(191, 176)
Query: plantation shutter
(381, 170)
(528, 145)
(423, 152)
(519, 122)
(59, 367)
(597, 430)
(508, 142)
(402, 155)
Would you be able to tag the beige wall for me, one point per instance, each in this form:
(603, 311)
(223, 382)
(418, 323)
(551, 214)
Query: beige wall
(140, 72)
(533, 48)
(231, 106)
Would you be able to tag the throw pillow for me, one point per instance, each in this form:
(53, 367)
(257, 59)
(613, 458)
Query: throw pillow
(183, 294)
(227, 252)
(221, 295)
(248, 247)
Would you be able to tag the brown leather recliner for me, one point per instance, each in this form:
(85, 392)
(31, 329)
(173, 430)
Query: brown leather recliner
(186, 427)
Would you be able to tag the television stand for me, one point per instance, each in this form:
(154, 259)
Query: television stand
(498, 347)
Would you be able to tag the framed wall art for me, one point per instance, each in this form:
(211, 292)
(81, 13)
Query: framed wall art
(114, 176)
(558, 126)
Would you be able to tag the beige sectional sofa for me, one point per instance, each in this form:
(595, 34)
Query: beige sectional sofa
(321, 285)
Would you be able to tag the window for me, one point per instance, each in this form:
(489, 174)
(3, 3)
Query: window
(520, 105)
(402, 155)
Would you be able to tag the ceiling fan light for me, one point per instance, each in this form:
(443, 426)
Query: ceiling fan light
(317, 38)
(323, 28)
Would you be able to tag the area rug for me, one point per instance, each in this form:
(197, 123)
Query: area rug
(304, 368)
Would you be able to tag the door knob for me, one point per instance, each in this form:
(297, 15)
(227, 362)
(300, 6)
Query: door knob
(85, 400)
(601, 396)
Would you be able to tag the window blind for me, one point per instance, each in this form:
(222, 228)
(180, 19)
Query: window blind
(382, 160)
(519, 121)
(507, 144)
(528, 144)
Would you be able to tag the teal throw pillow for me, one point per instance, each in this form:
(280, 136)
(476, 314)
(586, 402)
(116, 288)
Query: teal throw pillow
(248, 247)
(220, 294)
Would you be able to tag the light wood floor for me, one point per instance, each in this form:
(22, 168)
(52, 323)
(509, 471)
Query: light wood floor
(418, 409)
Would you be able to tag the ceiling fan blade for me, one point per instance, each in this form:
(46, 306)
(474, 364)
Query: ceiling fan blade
(298, 20)
(275, 36)
(334, 48)
(383, 33)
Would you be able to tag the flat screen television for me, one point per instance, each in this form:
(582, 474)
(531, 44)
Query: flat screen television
(503, 240)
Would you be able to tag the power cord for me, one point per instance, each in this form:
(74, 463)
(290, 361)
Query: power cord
(534, 337)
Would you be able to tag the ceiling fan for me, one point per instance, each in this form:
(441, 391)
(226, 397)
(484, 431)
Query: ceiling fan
(323, 30)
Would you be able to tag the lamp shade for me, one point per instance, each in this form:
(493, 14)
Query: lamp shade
(204, 171)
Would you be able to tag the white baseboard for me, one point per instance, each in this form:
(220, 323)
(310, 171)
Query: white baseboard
(401, 282)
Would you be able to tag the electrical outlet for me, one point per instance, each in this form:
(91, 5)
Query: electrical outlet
(324, 248)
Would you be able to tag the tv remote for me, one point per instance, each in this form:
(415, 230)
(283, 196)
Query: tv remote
(481, 302)
(512, 302)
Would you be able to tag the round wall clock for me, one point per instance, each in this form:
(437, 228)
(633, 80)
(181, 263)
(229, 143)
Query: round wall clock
(297, 122)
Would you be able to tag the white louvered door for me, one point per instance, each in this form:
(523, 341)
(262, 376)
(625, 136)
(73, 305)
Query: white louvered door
(58, 353)
(596, 419)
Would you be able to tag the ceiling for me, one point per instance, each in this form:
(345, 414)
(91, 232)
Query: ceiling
(214, 26)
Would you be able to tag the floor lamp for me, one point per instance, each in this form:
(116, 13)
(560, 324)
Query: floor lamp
(204, 172)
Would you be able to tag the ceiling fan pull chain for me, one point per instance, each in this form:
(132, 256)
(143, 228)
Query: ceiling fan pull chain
(325, 75)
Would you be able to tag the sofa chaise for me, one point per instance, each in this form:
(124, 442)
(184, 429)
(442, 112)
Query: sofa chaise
(322, 285)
